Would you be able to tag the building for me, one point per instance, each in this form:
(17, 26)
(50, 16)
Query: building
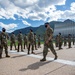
(65, 28)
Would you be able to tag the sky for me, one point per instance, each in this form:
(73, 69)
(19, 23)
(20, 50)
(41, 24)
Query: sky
(17, 14)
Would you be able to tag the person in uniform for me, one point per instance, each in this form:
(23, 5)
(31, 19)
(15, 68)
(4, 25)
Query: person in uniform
(31, 41)
(73, 39)
(35, 41)
(60, 41)
(3, 42)
(25, 41)
(39, 44)
(65, 41)
(56, 41)
(48, 42)
(20, 41)
(1, 48)
(69, 40)
(12, 41)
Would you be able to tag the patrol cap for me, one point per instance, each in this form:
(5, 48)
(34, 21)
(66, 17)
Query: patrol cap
(20, 32)
(3, 29)
(12, 32)
(31, 30)
(60, 33)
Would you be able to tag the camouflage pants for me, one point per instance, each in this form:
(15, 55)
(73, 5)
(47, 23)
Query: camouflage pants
(69, 44)
(60, 44)
(38, 44)
(20, 44)
(3, 45)
(50, 45)
(35, 45)
(30, 45)
(25, 44)
(11, 44)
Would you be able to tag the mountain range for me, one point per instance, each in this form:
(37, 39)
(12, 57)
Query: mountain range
(41, 29)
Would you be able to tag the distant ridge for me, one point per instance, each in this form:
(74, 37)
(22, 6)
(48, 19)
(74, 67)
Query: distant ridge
(41, 29)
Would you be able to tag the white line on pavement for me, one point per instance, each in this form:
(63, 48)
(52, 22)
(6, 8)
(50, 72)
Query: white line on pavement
(72, 63)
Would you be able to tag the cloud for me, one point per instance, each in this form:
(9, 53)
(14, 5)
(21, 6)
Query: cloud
(28, 9)
(8, 27)
(44, 10)
(26, 23)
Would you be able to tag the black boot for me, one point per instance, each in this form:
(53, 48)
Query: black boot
(0, 56)
(55, 57)
(44, 59)
(7, 56)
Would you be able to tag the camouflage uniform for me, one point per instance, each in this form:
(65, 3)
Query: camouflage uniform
(48, 33)
(57, 41)
(65, 41)
(73, 39)
(13, 41)
(69, 41)
(20, 41)
(30, 41)
(39, 41)
(60, 41)
(3, 40)
(35, 41)
(25, 41)
(1, 48)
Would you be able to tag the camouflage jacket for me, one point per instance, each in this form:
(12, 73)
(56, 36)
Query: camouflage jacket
(31, 37)
(48, 33)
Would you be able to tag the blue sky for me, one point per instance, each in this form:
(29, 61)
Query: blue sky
(17, 14)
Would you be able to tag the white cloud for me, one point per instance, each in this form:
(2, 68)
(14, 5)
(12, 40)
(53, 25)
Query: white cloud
(26, 23)
(35, 10)
(8, 27)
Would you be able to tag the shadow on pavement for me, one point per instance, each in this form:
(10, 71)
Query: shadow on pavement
(35, 66)
(18, 56)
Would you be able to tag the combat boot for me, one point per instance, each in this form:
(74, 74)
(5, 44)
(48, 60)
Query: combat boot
(22, 51)
(55, 57)
(0, 56)
(7, 56)
(43, 59)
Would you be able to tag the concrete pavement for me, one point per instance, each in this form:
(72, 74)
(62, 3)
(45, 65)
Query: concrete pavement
(23, 64)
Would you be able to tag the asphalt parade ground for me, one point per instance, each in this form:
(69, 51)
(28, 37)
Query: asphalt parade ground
(20, 63)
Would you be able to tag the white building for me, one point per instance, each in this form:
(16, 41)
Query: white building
(65, 28)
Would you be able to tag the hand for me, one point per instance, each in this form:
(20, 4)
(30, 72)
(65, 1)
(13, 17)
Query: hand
(47, 42)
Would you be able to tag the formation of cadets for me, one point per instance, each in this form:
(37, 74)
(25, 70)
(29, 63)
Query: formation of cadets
(28, 41)
(66, 41)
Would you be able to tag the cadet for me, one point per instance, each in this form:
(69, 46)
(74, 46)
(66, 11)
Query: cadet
(20, 40)
(13, 41)
(31, 41)
(56, 41)
(39, 44)
(1, 48)
(25, 41)
(3, 40)
(60, 41)
(48, 42)
(69, 40)
(73, 39)
(35, 41)
(65, 41)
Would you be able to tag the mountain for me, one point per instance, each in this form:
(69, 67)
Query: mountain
(41, 29)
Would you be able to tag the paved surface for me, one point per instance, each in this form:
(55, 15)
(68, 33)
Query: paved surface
(22, 64)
